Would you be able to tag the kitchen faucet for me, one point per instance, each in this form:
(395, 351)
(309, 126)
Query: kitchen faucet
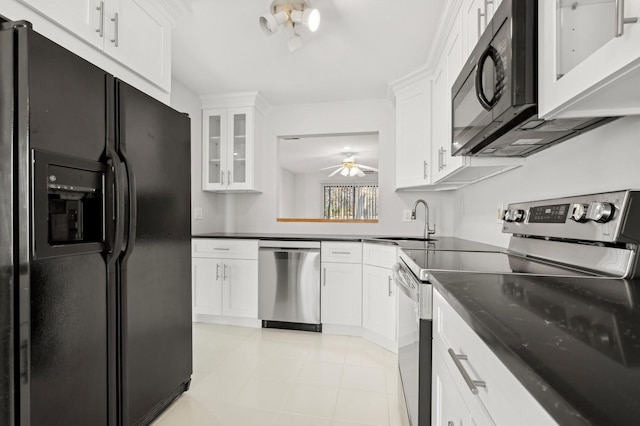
(427, 230)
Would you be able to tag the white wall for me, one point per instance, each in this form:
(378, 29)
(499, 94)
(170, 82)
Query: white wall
(605, 159)
(186, 101)
(257, 212)
(287, 199)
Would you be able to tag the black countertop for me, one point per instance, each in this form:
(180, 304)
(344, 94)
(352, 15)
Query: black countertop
(574, 343)
(438, 243)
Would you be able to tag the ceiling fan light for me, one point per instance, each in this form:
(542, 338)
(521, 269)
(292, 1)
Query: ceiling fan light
(344, 172)
(354, 171)
(308, 17)
(269, 24)
(295, 41)
(313, 19)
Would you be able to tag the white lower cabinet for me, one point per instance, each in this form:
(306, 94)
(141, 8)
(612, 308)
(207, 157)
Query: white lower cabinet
(207, 286)
(380, 302)
(240, 288)
(223, 284)
(226, 287)
(448, 404)
(341, 294)
(379, 295)
(341, 289)
(459, 351)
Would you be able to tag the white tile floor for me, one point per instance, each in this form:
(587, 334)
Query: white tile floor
(266, 377)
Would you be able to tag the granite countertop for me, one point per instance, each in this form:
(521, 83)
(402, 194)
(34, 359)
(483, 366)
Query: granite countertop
(574, 343)
(407, 242)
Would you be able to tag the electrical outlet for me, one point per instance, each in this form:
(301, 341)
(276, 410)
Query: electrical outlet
(406, 215)
(197, 212)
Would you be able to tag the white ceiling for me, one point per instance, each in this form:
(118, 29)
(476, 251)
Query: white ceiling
(361, 46)
(310, 154)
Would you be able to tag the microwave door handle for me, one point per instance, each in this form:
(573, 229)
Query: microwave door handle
(492, 53)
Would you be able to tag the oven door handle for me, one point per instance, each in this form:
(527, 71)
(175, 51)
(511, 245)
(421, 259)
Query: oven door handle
(490, 52)
(402, 284)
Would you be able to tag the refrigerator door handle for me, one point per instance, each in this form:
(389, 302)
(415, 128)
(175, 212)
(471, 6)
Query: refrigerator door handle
(133, 206)
(118, 196)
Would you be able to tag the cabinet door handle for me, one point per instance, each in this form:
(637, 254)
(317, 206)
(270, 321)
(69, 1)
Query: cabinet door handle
(114, 40)
(444, 154)
(473, 384)
(621, 20)
(486, 13)
(221, 178)
(389, 284)
(480, 15)
(425, 170)
(100, 29)
(340, 252)
(229, 177)
(217, 271)
(224, 272)
(221, 249)
(324, 277)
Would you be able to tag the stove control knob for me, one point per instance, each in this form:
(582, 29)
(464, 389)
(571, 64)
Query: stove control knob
(506, 215)
(579, 212)
(600, 212)
(517, 215)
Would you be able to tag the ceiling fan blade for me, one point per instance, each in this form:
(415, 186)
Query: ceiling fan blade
(336, 171)
(360, 173)
(331, 167)
(367, 167)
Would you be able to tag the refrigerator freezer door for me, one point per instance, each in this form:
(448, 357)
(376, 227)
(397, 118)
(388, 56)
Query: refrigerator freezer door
(62, 107)
(154, 142)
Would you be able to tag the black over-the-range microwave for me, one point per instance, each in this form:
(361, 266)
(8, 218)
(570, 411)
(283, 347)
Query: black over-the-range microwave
(495, 97)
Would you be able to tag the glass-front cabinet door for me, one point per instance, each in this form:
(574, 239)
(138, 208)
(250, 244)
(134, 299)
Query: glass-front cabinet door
(589, 58)
(240, 120)
(227, 151)
(214, 134)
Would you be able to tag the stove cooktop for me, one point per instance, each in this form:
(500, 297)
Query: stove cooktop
(423, 262)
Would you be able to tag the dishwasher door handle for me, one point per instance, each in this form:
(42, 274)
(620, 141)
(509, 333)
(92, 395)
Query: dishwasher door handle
(289, 250)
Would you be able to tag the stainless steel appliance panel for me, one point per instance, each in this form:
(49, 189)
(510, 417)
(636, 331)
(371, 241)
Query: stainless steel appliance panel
(289, 283)
(415, 333)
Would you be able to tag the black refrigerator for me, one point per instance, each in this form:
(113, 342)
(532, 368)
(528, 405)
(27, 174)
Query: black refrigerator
(95, 255)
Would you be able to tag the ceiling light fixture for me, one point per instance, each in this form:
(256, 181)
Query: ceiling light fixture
(349, 167)
(290, 13)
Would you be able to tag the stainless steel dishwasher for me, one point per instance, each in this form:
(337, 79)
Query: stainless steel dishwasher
(289, 284)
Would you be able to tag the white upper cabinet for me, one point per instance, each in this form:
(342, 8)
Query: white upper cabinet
(133, 32)
(589, 60)
(413, 132)
(138, 36)
(81, 17)
(231, 143)
(424, 161)
(450, 64)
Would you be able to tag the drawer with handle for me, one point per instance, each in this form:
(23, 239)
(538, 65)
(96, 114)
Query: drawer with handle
(484, 381)
(341, 252)
(224, 248)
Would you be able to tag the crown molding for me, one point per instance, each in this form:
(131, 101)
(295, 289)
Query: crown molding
(239, 99)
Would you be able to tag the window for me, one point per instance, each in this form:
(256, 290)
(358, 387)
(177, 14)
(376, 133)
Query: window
(357, 201)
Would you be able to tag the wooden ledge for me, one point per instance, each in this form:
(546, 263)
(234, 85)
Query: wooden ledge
(318, 220)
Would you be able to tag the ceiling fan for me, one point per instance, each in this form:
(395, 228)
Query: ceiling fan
(349, 167)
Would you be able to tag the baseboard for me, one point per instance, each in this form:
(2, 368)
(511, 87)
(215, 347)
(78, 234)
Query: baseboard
(342, 330)
(215, 319)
